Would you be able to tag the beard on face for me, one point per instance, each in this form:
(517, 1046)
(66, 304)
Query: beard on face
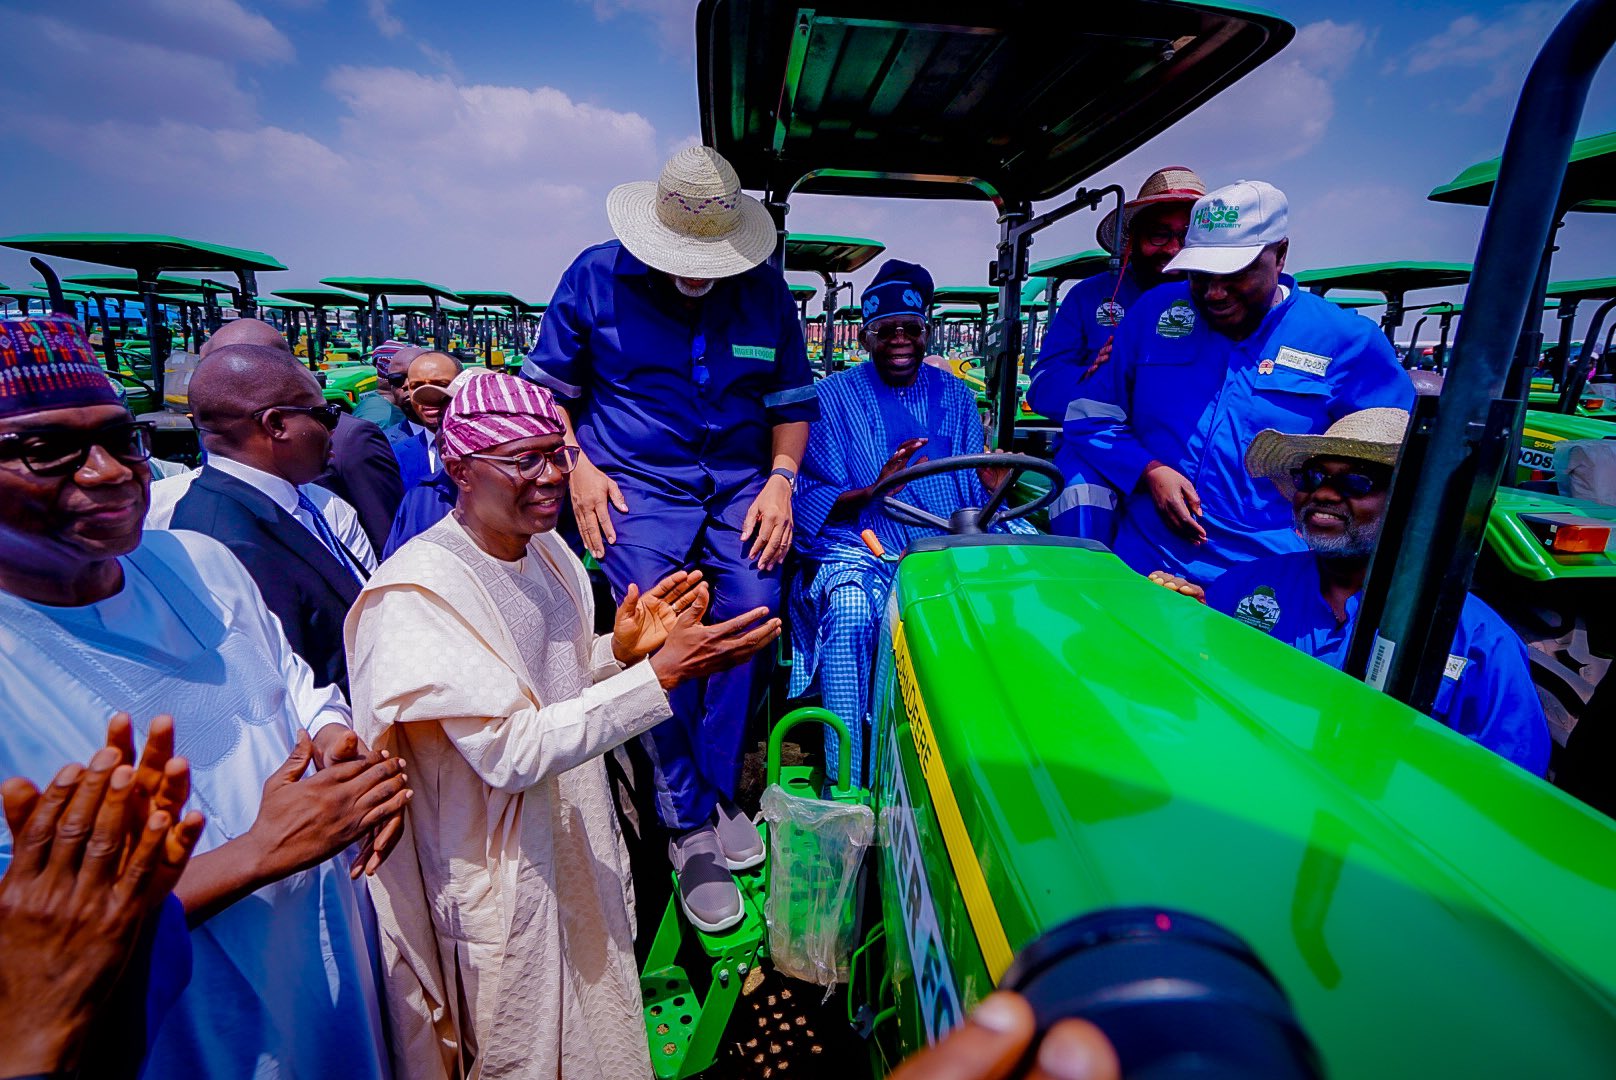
(694, 288)
(1356, 540)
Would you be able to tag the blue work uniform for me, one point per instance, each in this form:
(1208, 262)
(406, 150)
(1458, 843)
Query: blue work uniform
(1084, 322)
(1486, 693)
(1182, 393)
(677, 403)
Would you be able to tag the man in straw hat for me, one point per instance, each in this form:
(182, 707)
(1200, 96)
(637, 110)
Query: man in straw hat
(101, 617)
(505, 924)
(1336, 485)
(679, 354)
(1199, 367)
(1151, 231)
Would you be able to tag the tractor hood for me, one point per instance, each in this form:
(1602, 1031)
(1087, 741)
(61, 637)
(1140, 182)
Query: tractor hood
(1430, 908)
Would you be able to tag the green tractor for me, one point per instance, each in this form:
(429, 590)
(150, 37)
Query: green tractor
(1055, 738)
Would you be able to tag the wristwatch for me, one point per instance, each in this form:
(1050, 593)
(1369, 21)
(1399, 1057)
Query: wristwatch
(791, 477)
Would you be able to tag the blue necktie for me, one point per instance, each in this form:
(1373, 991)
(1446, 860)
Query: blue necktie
(322, 529)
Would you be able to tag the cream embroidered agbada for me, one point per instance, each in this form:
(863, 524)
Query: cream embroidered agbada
(505, 912)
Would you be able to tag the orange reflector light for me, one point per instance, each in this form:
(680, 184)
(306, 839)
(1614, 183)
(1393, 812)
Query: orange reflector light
(1580, 539)
(1593, 404)
(874, 544)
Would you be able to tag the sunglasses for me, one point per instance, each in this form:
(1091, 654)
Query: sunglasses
(54, 453)
(1349, 485)
(912, 329)
(394, 378)
(535, 463)
(325, 415)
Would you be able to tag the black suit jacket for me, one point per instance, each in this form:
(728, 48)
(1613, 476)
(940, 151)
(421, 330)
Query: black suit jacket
(302, 582)
(364, 473)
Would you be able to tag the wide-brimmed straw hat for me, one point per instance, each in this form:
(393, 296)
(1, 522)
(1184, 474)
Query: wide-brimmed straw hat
(1174, 184)
(694, 221)
(1367, 435)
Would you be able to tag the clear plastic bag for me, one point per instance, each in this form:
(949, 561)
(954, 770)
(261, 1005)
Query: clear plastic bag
(815, 848)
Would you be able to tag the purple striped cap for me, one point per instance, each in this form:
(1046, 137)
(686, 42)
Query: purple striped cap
(47, 362)
(489, 408)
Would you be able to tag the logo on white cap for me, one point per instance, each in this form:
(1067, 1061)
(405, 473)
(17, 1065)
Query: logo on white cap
(1230, 227)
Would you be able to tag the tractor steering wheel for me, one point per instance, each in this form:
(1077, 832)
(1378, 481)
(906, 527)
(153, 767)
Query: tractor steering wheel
(969, 520)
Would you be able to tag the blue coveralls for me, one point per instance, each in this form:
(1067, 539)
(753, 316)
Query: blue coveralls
(1486, 694)
(1185, 395)
(1083, 323)
(678, 405)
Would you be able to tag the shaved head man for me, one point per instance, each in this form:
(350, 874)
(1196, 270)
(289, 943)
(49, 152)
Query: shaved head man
(245, 332)
(427, 386)
(267, 429)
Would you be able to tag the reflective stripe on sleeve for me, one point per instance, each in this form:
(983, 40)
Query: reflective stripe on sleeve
(1084, 495)
(1084, 407)
(790, 397)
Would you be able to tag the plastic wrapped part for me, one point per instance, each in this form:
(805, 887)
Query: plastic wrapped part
(1586, 469)
(815, 849)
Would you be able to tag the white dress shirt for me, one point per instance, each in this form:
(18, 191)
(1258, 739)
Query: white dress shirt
(343, 519)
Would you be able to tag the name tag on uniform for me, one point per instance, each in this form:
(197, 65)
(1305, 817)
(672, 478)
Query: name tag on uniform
(1312, 363)
(753, 352)
(1455, 668)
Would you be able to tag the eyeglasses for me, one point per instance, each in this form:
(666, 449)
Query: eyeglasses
(1349, 485)
(60, 452)
(1161, 236)
(325, 415)
(395, 378)
(913, 329)
(535, 463)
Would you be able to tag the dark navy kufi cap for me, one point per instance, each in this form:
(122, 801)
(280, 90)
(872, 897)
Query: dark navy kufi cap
(898, 288)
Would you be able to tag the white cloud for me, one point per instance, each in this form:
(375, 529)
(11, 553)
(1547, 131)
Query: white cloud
(381, 14)
(494, 186)
(220, 28)
(1502, 48)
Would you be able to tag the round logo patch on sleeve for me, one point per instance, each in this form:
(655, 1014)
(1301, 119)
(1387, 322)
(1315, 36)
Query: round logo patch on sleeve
(1108, 313)
(1177, 321)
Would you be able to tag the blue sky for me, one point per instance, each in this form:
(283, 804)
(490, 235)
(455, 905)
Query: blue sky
(473, 144)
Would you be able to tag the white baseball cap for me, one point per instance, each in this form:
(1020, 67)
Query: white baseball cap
(1230, 227)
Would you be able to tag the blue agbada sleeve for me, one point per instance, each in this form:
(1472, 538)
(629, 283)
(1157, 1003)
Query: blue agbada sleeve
(559, 360)
(1097, 427)
(1494, 702)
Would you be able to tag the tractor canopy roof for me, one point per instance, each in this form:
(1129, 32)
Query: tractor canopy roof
(145, 253)
(1017, 100)
(1351, 302)
(1584, 289)
(823, 254)
(284, 305)
(1394, 875)
(130, 282)
(803, 291)
(332, 298)
(1590, 179)
(1458, 308)
(1081, 264)
(980, 295)
(1386, 277)
(489, 298)
(382, 286)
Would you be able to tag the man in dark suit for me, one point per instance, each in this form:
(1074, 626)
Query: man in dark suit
(267, 430)
(364, 472)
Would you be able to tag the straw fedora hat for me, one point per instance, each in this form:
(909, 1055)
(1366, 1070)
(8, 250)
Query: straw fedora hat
(1368, 435)
(693, 221)
(1174, 184)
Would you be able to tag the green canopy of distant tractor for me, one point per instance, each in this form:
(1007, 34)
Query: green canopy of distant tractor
(823, 254)
(965, 294)
(382, 286)
(1584, 289)
(489, 298)
(147, 253)
(283, 305)
(1351, 302)
(802, 291)
(1590, 179)
(1082, 264)
(331, 298)
(1386, 277)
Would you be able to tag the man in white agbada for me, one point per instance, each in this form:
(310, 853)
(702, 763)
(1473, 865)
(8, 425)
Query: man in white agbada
(504, 915)
(96, 618)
